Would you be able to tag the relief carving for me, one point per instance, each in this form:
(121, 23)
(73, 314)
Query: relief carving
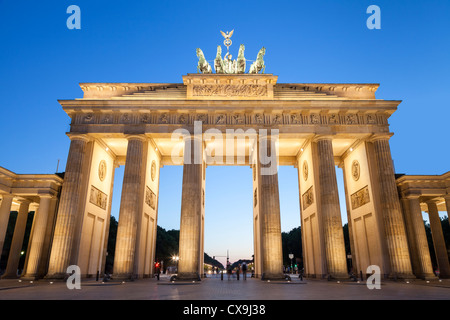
(182, 119)
(98, 198)
(371, 119)
(333, 119)
(221, 119)
(360, 198)
(315, 119)
(150, 198)
(203, 117)
(356, 169)
(308, 198)
(238, 118)
(102, 170)
(351, 119)
(230, 90)
(277, 119)
(107, 119)
(163, 119)
(145, 118)
(295, 119)
(88, 118)
(259, 119)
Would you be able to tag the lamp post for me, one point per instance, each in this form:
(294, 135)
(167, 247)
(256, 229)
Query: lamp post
(176, 258)
(291, 256)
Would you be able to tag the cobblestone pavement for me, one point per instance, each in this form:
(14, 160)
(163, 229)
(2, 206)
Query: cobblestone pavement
(213, 288)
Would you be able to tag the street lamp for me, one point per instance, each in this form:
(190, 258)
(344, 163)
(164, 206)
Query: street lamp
(291, 256)
(176, 258)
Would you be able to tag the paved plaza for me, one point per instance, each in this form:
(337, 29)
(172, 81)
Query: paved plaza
(213, 288)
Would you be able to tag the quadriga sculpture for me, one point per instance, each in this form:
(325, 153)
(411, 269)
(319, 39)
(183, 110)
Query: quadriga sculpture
(218, 62)
(258, 65)
(240, 68)
(203, 65)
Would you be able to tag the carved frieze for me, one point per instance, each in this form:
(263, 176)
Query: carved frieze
(150, 198)
(308, 198)
(360, 198)
(229, 90)
(227, 118)
(98, 198)
(314, 118)
(296, 119)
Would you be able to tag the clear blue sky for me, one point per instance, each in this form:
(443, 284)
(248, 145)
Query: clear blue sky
(148, 41)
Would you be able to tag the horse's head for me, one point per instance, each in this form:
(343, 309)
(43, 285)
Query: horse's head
(262, 52)
(199, 53)
(219, 51)
(241, 50)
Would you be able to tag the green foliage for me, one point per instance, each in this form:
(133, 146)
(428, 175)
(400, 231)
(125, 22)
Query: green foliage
(292, 243)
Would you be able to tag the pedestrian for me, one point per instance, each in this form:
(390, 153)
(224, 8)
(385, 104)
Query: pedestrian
(229, 270)
(244, 271)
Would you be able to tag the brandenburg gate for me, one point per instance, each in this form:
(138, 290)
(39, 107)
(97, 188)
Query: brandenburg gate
(237, 118)
(317, 127)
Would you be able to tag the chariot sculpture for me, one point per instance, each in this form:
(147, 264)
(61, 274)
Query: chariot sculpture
(227, 65)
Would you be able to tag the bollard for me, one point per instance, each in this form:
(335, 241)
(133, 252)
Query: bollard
(221, 275)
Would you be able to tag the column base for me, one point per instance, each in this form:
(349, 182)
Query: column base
(187, 276)
(274, 276)
(402, 276)
(30, 277)
(9, 276)
(429, 276)
(338, 276)
(57, 276)
(124, 277)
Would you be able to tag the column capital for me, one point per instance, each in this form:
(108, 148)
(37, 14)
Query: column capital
(380, 136)
(411, 195)
(7, 196)
(320, 137)
(431, 202)
(77, 136)
(140, 137)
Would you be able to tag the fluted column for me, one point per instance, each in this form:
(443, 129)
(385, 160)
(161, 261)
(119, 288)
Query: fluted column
(269, 210)
(330, 211)
(130, 207)
(38, 238)
(394, 227)
(5, 210)
(66, 221)
(420, 252)
(438, 240)
(447, 206)
(17, 241)
(191, 210)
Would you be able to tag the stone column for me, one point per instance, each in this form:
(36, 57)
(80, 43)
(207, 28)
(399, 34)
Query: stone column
(269, 210)
(130, 207)
(330, 212)
(38, 237)
(17, 241)
(394, 227)
(438, 240)
(420, 252)
(191, 211)
(5, 210)
(447, 206)
(67, 217)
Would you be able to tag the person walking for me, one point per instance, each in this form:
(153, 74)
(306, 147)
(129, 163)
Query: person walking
(244, 271)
